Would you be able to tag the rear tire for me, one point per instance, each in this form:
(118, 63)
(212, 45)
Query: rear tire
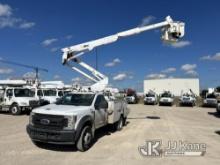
(85, 140)
(15, 109)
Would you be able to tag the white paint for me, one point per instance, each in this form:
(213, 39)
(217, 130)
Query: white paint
(175, 86)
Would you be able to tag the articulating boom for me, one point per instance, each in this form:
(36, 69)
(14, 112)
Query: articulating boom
(172, 31)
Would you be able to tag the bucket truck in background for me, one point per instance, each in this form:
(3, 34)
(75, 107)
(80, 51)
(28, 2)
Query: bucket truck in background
(151, 98)
(188, 98)
(131, 96)
(166, 98)
(78, 114)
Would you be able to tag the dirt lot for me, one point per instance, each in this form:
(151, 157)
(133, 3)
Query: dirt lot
(196, 125)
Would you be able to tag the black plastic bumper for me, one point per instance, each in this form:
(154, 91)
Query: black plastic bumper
(51, 136)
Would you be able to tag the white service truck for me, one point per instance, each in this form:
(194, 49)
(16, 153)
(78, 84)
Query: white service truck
(17, 99)
(187, 98)
(210, 100)
(74, 118)
(166, 98)
(151, 98)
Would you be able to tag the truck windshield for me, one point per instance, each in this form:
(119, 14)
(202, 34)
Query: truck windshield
(150, 95)
(23, 93)
(211, 96)
(166, 95)
(76, 99)
(50, 92)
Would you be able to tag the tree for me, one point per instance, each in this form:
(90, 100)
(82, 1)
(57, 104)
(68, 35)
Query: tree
(217, 89)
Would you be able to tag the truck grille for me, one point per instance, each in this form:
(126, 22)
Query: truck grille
(34, 103)
(55, 122)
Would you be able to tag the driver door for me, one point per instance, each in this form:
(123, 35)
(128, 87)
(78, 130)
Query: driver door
(8, 97)
(100, 112)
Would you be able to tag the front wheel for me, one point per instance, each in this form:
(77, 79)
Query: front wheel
(119, 124)
(15, 109)
(85, 139)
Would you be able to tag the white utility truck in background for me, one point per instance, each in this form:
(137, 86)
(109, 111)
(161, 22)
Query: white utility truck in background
(50, 91)
(74, 118)
(210, 100)
(151, 98)
(16, 96)
(188, 98)
(131, 96)
(166, 98)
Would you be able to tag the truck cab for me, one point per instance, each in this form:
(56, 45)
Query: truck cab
(50, 95)
(187, 99)
(150, 98)
(131, 96)
(17, 99)
(74, 118)
(210, 100)
(166, 98)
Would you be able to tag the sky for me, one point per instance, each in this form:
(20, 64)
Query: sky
(33, 33)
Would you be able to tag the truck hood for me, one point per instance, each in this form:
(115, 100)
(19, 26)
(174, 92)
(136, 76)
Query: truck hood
(24, 101)
(53, 109)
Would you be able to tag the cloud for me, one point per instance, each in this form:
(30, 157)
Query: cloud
(120, 77)
(56, 77)
(7, 19)
(54, 49)
(188, 67)
(215, 57)
(49, 41)
(156, 76)
(81, 81)
(26, 25)
(68, 37)
(30, 75)
(6, 70)
(113, 63)
(192, 73)
(76, 79)
(5, 10)
(9, 22)
(146, 20)
(181, 44)
(169, 70)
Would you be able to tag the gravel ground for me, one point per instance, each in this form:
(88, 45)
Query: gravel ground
(195, 125)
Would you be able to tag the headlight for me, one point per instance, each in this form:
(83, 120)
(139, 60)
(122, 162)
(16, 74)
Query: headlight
(205, 101)
(71, 120)
(31, 118)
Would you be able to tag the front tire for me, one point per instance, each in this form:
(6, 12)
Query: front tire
(85, 139)
(119, 124)
(15, 109)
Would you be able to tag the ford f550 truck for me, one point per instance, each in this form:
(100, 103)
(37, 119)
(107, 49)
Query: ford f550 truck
(74, 118)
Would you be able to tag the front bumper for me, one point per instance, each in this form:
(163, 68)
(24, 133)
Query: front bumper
(51, 136)
(148, 101)
(165, 102)
(183, 102)
(210, 104)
